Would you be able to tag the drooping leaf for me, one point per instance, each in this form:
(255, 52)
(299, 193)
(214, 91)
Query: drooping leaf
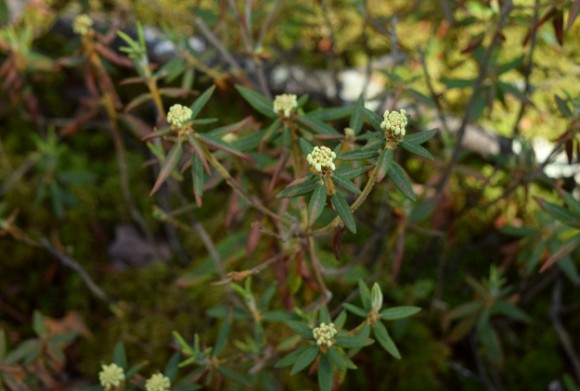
(401, 181)
(257, 101)
(305, 185)
(351, 172)
(417, 150)
(325, 374)
(173, 158)
(343, 210)
(384, 163)
(359, 154)
(317, 203)
(345, 184)
(384, 339)
(291, 358)
(421, 137)
(304, 359)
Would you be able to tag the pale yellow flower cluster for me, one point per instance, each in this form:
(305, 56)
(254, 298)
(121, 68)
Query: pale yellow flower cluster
(394, 122)
(178, 115)
(111, 376)
(324, 334)
(285, 103)
(321, 157)
(158, 382)
(83, 24)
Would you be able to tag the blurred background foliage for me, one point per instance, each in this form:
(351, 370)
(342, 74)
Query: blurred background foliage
(469, 251)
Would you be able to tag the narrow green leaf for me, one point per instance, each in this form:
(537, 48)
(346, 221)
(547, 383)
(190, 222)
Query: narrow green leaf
(340, 360)
(354, 341)
(340, 319)
(365, 295)
(399, 312)
(257, 101)
(384, 163)
(345, 184)
(198, 176)
(219, 144)
(306, 146)
(330, 114)
(317, 126)
(324, 315)
(291, 358)
(559, 213)
(351, 172)
(201, 101)
(120, 356)
(384, 339)
(508, 309)
(563, 107)
(421, 137)
(401, 181)
(360, 154)
(417, 150)
(357, 117)
(172, 366)
(278, 316)
(172, 159)
(519, 231)
(374, 119)
(317, 203)
(305, 359)
(325, 374)
(458, 83)
(235, 376)
(38, 324)
(355, 310)
(182, 343)
(223, 336)
(572, 203)
(299, 187)
(343, 210)
(300, 328)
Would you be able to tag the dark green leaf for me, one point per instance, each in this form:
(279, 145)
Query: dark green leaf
(182, 343)
(399, 312)
(559, 213)
(374, 119)
(278, 316)
(235, 376)
(343, 210)
(365, 296)
(303, 186)
(563, 107)
(257, 101)
(384, 339)
(417, 150)
(306, 146)
(305, 359)
(200, 102)
(345, 184)
(519, 231)
(324, 315)
(317, 203)
(119, 355)
(384, 163)
(198, 175)
(421, 137)
(354, 341)
(508, 309)
(355, 310)
(325, 374)
(172, 367)
(223, 335)
(401, 181)
(38, 324)
(291, 358)
(340, 360)
(458, 83)
(301, 329)
(351, 172)
(360, 154)
(330, 114)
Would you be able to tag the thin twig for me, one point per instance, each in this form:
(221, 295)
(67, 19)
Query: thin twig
(210, 36)
(563, 335)
(74, 265)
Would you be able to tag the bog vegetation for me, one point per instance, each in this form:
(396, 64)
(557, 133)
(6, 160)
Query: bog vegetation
(268, 195)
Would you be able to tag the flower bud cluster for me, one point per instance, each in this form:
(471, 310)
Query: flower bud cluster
(321, 157)
(394, 123)
(82, 24)
(324, 334)
(178, 115)
(158, 382)
(285, 103)
(111, 376)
